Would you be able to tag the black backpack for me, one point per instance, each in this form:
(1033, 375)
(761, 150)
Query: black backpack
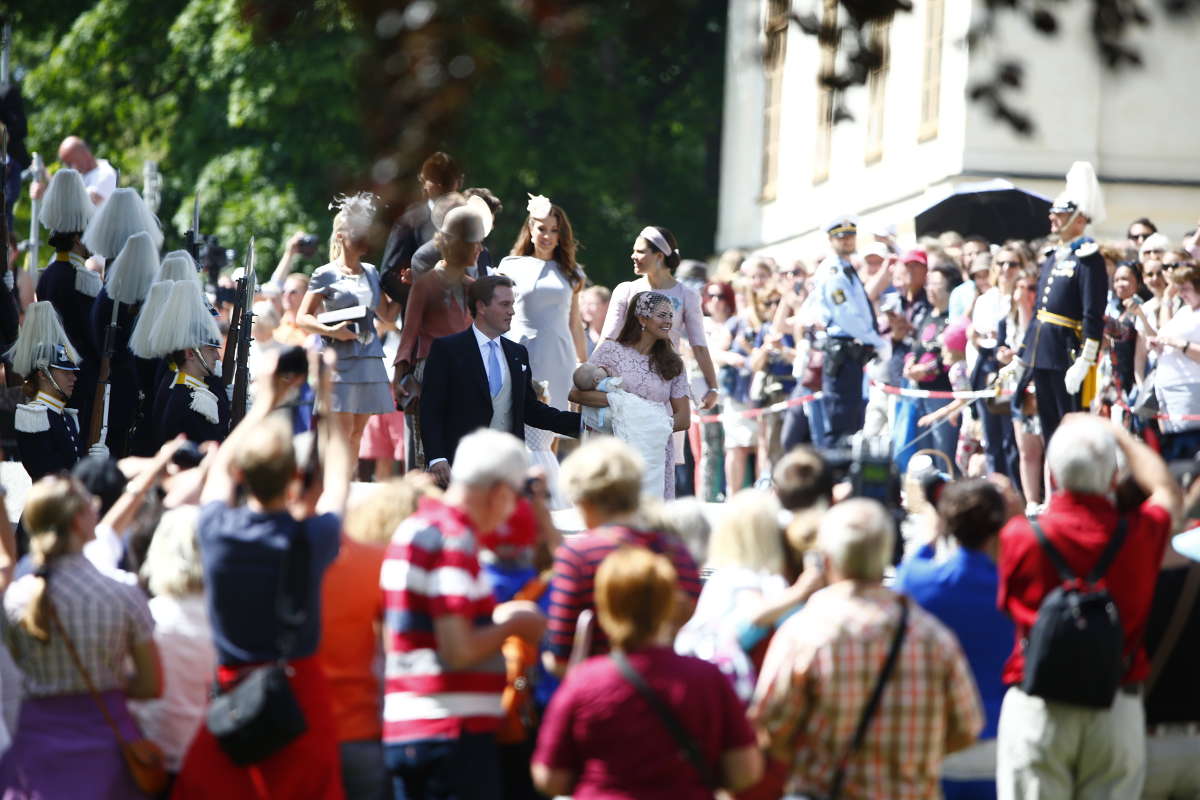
(1074, 651)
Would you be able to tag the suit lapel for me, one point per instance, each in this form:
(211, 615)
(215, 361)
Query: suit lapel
(516, 376)
(474, 360)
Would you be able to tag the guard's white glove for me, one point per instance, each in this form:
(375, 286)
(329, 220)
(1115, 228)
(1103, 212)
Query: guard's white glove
(98, 449)
(1075, 375)
(1073, 380)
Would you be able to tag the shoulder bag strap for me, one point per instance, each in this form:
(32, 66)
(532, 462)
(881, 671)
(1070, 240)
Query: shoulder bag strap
(1179, 618)
(1065, 573)
(864, 722)
(687, 745)
(292, 590)
(1110, 551)
(83, 673)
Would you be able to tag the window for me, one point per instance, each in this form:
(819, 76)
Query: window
(826, 96)
(931, 82)
(776, 31)
(880, 36)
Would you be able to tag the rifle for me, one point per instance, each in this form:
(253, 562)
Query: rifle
(151, 185)
(241, 377)
(5, 52)
(98, 431)
(33, 254)
(191, 239)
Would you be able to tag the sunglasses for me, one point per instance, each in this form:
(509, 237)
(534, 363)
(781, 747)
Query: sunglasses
(715, 296)
(1007, 264)
(1138, 236)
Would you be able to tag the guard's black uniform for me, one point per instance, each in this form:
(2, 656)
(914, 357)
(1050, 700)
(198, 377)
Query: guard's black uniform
(48, 437)
(193, 409)
(72, 295)
(1072, 293)
(123, 381)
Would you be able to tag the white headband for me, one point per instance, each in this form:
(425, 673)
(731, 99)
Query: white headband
(655, 238)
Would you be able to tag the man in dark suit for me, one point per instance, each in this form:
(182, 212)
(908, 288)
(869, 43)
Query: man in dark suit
(479, 379)
(440, 175)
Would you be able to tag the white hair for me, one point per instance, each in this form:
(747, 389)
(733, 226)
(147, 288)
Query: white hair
(487, 457)
(173, 565)
(1082, 457)
(858, 536)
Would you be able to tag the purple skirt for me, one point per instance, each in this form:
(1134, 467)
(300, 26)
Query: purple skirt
(63, 747)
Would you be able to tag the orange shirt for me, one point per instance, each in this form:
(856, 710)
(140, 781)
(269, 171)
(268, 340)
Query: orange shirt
(352, 604)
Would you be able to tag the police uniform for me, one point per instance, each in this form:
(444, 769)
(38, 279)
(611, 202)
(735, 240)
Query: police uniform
(851, 337)
(1072, 293)
(48, 436)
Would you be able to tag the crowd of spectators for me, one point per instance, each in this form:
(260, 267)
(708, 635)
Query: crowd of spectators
(438, 628)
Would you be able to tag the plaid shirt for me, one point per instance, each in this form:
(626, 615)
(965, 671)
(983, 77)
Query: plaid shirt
(103, 617)
(819, 673)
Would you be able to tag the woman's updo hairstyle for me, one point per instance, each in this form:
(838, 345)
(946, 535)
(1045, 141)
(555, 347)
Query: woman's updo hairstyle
(670, 256)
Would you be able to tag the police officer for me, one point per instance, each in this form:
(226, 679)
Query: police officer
(850, 330)
(187, 332)
(1063, 341)
(48, 432)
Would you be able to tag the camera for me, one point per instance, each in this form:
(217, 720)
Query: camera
(308, 245)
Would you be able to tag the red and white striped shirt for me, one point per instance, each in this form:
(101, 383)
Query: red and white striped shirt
(432, 570)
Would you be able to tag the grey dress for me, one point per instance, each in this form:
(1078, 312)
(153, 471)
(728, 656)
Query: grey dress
(360, 381)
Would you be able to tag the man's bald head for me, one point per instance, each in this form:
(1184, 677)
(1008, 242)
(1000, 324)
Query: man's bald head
(75, 153)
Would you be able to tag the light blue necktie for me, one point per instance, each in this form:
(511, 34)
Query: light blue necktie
(494, 379)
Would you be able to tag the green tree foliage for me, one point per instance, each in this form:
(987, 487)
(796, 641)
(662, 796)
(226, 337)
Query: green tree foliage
(270, 107)
(263, 129)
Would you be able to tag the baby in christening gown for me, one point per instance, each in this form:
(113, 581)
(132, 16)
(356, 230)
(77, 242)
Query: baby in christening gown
(643, 425)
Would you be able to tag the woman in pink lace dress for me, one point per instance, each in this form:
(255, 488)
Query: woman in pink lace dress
(642, 356)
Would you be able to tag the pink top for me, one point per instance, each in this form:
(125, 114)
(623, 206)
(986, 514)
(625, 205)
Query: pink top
(639, 379)
(432, 312)
(686, 302)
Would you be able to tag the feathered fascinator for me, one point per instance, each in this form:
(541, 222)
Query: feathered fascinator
(41, 334)
(123, 214)
(183, 322)
(151, 312)
(1082, 193)
(132, 271)
(178, 265)
(357, 210)
(539, 206)
(66, 207)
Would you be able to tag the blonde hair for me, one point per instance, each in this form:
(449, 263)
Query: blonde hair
(374, 519)
(52, 506)
(801, 533)
(173, 565)
(605, 474)
(635, 595)
(748, 534)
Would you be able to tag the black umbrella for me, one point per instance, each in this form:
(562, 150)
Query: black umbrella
(996, 210)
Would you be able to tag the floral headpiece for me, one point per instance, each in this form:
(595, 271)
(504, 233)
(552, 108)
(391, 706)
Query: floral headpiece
(539, 206)
(648, 301)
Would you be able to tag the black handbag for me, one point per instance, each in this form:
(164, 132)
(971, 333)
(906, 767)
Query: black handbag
(259, 715)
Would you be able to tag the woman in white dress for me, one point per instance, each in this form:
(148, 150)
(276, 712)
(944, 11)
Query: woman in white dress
(548, 282)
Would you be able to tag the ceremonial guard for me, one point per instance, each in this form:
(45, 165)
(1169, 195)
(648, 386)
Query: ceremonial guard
(852, 336)
(1063, 340)
(189, 335)
(48, 431)
(66, 282)
(154, 372)
(113, 315)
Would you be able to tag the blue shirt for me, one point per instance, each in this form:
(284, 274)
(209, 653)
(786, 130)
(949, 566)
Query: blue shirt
(961, 590)
(845, 308)
(243, 554)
